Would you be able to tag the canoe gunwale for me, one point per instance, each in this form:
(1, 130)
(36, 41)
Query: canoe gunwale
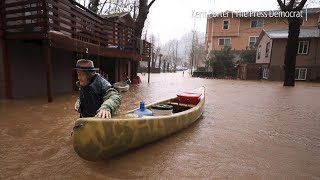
(121, 118)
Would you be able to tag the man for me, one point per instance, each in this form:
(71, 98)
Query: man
(97, 98)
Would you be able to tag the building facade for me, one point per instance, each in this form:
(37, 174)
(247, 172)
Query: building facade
(241, 30)
(271, 51)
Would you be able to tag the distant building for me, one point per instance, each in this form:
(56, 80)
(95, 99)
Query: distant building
(271, 46)
(241, 29)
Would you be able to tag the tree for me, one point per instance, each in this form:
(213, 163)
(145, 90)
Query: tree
(155, 47)
(142, 16)
(200, 55)
(171, 57)
(293, 38)
(248, 55)
(111, 6)
(222, 62)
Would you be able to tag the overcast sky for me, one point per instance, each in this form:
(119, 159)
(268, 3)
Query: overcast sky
(169, 19)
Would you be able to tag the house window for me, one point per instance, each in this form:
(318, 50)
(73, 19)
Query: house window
(257, 23)
(265, 73)
(224, 41)
(259, 52)
(252, 40)
(225, 24)
(303, 47)
(267, 49)
(301, 74)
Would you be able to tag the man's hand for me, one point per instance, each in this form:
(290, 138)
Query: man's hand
(77, 106)
(103, 113)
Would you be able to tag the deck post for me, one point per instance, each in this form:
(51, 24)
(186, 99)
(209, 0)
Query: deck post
(73, 72)
(117, 70)
(149, 71)
(48, 59)
(6, 69)
(5, 58)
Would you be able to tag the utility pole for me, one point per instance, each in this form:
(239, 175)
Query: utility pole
(192, 52)
(176, 60)
(152, 50)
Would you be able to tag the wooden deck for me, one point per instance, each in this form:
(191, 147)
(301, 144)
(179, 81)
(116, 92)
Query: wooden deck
(67, 24)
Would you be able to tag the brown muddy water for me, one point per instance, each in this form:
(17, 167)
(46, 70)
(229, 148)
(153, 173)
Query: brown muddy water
(249, 130)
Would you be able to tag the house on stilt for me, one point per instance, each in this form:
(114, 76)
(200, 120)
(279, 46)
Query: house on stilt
(41, 40)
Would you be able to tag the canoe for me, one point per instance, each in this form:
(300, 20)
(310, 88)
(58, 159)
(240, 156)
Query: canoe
(97, 139)
(121, 86)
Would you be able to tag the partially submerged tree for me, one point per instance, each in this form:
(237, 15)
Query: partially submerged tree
(198, 53)
(155, 47)
(248, 55)
(293, 38)
(171, 54)
(222, 62)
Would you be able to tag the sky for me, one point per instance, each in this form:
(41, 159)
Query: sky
(170, 19)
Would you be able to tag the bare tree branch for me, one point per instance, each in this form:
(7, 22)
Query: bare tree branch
(104, 3)
(300, 6)
(291, 3)
(151, 3)
(282, 5)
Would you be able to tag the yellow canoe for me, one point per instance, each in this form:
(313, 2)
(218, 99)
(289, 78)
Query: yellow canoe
(98, 139)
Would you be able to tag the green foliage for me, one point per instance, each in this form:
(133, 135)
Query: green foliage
(222, 63)
(248, 55)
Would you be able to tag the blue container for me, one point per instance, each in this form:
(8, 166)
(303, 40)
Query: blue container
(143, 110)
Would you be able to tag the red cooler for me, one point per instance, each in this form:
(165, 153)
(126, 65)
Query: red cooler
(189, 98)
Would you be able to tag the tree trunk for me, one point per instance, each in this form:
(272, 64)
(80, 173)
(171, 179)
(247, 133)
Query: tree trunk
(153, 60)
(142, 16)
(160, 62)
(293, 39)
(291, 51)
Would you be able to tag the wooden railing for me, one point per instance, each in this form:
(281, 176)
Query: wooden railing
(70, 19)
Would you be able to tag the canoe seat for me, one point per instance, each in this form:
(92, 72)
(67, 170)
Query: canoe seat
(182, 104)
(179, 107)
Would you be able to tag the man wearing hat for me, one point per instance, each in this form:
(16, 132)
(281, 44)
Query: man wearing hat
(97, 98)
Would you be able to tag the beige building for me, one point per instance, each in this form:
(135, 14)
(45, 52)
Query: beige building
(271, 46)
(241, 30)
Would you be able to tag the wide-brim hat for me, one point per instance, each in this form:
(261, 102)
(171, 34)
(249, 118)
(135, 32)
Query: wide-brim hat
(85, 65)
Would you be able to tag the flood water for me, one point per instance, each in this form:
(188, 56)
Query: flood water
(249, 130)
